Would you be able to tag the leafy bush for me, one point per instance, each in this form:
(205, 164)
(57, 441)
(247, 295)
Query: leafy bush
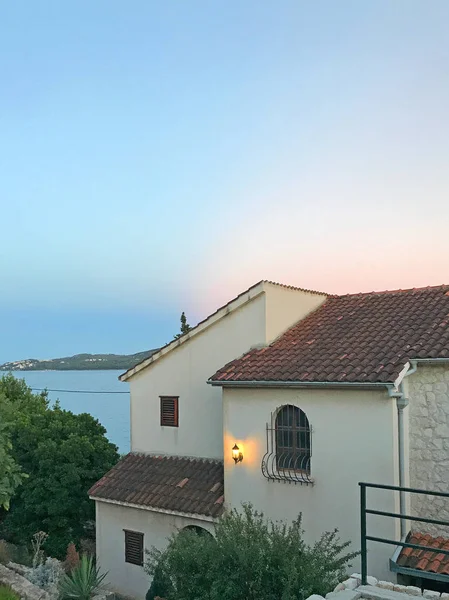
(20, 554)
(12, 553)
(250, 558)
(160, 586)
(83, 582)
(5, 556)
(47, 576)
(63, 455)
(6, 593)
(11, 475)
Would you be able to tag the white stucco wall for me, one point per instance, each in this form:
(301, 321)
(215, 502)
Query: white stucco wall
(267, 311)
(428, 391)
(183, 372)
(354, 439)
(111, 520)
(285, 306)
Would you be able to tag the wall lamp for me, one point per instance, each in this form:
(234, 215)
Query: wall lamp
(237, 454)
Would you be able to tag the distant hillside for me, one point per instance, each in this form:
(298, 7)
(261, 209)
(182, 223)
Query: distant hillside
(79, 362)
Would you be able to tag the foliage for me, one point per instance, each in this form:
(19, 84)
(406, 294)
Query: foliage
(47, 576)
(20, 554)
(160, 586)
(64, 455)
(11, 475)
(6, 593)
(5, 556)
(72, 558)
(185, 327)
(80, 362)
(83, 582)
(249, 558)
(87, 546)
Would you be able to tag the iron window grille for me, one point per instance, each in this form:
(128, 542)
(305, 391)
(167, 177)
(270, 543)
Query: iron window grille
(169, 411)
(289, 446)
(134, 547)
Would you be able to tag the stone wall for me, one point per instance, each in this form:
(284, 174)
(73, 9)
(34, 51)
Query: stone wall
(429, 444)
(23, 588)
(13, 576)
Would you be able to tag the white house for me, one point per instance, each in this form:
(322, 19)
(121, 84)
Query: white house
(317, 392)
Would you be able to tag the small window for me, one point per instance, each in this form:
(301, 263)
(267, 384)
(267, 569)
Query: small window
(169, 411)
(134, 547)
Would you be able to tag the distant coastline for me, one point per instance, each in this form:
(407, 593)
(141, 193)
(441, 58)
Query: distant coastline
(79, 362)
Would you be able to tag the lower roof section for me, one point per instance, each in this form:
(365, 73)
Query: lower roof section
(193, 486)
(424, 563)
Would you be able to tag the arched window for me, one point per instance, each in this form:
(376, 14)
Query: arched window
(197, 529)
(293, 439)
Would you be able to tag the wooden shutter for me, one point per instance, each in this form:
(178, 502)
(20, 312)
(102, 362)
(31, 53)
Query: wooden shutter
(134, 547)
(169, 411)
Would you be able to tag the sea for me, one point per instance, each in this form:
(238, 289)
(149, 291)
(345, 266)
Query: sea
(94, 392)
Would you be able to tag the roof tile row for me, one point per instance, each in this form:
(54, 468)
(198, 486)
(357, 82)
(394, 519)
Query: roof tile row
(175, 483)
(353, 338)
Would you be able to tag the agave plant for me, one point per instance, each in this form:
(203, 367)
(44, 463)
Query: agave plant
(83, 582)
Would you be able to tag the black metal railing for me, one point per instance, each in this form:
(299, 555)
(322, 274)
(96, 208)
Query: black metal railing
(368, 511)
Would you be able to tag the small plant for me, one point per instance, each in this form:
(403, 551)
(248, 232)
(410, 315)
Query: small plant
(83, 582)
(72, 558)
(47, 576)
(6, 593)
(4, 553)
(36, 542)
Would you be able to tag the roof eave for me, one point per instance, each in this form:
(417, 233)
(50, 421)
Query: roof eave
(395, 568)
(176, 513)
(302, 384)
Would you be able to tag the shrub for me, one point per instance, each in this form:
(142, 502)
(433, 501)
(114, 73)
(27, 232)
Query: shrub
(160, 586)
(4, 553)
(6, 593)
(20, 554)
(72, 558)
(47, 576)
(63, 455)
(250, 558)
(83, 582)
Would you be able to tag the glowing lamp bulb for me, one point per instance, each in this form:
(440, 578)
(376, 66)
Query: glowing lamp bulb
(236, 454)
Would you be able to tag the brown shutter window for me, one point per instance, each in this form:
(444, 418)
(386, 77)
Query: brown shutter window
(134, 547)
(169, 411)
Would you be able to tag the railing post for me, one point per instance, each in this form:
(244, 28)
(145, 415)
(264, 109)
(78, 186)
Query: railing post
(363, 532)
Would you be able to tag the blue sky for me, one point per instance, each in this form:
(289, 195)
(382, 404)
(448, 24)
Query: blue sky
(163, 156)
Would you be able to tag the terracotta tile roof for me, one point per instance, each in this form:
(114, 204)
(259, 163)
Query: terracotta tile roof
(355, 338)
(174, 483)
(175, 343)
(425, 560)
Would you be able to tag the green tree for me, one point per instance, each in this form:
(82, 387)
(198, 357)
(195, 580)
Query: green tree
(185, 327)
(249, 558)
(11, 475)
(63, 455)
